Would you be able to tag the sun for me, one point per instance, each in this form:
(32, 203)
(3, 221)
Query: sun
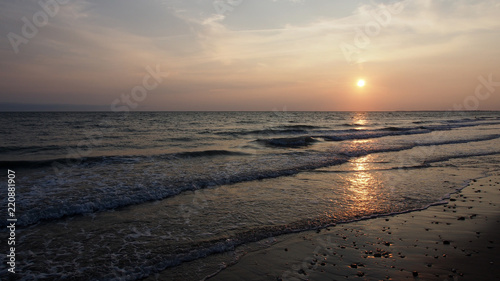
(361, 83)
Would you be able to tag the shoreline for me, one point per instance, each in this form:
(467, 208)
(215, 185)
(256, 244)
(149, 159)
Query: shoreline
(452, 241)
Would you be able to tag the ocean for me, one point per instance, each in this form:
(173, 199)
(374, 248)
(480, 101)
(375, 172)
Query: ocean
(124, 196)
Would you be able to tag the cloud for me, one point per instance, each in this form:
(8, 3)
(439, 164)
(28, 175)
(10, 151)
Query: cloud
(95, 49)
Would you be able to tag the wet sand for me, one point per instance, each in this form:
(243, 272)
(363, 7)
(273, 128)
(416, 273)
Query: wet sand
(455, 241)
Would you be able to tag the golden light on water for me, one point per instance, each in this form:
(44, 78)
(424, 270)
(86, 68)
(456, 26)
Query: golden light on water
(362, 180)
(362, 185)
(359, 120)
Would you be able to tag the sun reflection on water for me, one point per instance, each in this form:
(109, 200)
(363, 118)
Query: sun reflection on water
(359, 120)
(362, 180)
(364, 186)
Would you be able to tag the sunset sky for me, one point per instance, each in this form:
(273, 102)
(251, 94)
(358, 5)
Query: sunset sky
(250, 55)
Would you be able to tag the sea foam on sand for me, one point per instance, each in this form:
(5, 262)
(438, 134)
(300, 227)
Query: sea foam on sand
(455, 241)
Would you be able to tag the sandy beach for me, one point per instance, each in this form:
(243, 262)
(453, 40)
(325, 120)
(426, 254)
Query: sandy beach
(454, 241)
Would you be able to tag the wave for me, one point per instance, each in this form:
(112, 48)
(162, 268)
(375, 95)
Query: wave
(136, 190)
(294, 142)
(422, 122)
(162, 260)
(354, 134)
(59, 200)
(179, 139)
(398, 129)
(71, 161)
(284, 129)
(371, 134)
(34, 148)
(353, 125)
(461, 155)
(465, 120)
(269, 131)
(207, 153)
(475, 139)
(301, 127)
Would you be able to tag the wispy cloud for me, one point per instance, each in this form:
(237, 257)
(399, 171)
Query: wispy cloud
(92, 50)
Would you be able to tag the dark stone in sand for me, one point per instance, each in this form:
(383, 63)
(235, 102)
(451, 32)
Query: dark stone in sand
(354, 265)
(361, 274)
(446, 242)
(377, 255)
(415, 273)
(286, 249)
(461, 218)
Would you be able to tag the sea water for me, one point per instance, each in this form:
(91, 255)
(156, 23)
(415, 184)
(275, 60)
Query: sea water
(124, 196)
